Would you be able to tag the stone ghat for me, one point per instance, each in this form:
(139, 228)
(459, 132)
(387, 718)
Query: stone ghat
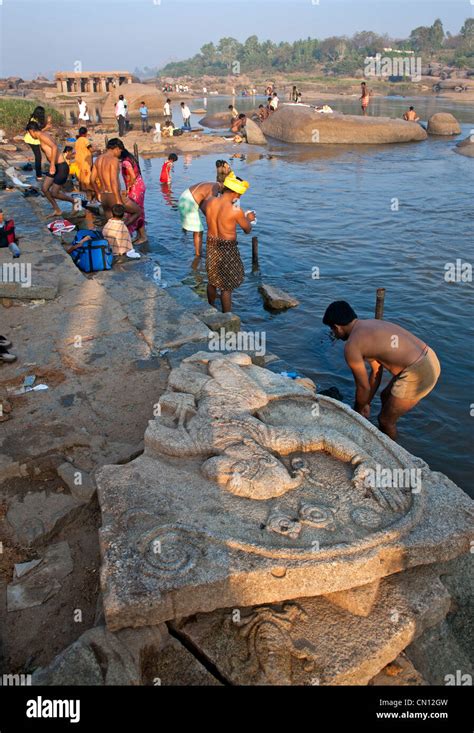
(302, 124)
(257, 524)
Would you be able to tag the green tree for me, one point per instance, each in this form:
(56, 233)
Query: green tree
(436, 35)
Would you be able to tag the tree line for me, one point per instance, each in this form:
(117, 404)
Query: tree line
(337, 55)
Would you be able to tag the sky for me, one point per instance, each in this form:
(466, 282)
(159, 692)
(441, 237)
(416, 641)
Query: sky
(44, 36)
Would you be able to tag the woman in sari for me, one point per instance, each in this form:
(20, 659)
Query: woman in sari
(136, 188)
(83, 148)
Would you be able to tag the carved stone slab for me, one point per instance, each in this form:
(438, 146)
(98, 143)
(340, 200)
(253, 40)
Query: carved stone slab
(308, 641)
(252, 489)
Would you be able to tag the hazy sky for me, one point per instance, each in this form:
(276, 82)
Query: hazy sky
(44, 36)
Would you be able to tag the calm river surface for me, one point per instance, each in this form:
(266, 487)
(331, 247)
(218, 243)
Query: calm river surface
(330, 207)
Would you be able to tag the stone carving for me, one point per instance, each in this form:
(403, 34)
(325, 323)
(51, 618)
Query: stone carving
(314, 642)
(280, 523)
(252, 488)
(270, 647)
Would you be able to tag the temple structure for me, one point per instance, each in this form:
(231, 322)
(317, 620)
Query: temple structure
(99, 82)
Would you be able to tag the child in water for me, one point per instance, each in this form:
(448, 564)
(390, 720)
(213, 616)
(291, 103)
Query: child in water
(165, 176)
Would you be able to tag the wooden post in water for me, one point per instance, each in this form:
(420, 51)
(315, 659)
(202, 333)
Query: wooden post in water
(254, 254)
(379, 302)
(135, 150)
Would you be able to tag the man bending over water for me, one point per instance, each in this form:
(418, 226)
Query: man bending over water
(414, 365)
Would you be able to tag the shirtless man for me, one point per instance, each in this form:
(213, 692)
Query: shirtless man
(105, 180)
(238, 126)
(410, 115)
(58, 168)
(414, 365)
(225, 270)
(189, 204)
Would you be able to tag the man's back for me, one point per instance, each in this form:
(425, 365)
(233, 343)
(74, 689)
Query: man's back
(222, 218)
(107, 168)
(385, 342)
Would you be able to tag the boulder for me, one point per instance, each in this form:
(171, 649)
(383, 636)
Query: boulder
(277, 299)
(135, 94)
(217, 120)
(466, 147)
(255, 135)
(301, 124)
(443, 123)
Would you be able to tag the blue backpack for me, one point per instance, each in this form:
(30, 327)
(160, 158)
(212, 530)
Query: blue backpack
(94, 255)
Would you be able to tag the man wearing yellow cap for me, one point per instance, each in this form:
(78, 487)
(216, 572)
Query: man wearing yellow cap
(225, 271)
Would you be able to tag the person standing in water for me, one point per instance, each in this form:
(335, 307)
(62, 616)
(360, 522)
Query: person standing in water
(189, 204)
(364, 98)
(413, 364)
(225, 271)
(135, 190)
(58, 172)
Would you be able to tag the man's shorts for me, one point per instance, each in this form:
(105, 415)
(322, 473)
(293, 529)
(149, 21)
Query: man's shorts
(61, 174)
(189, 212)
(418, 379)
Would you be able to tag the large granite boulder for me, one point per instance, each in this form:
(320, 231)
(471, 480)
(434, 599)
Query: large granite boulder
(135, 94)
(302, 124)
(254, 490)
(255, 135)
(217, 120)
(443, 123)
(466, 147)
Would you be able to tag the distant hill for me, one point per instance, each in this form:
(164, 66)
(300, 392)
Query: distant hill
(337, 55)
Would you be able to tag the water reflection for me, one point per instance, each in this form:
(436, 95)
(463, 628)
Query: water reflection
(169, 198)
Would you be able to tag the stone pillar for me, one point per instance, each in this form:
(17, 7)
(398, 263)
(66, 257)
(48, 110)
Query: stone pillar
(129, 80)
(64, 86)
(59, 85)
(103, 84)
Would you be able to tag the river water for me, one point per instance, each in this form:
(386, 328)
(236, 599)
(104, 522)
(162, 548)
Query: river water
(362, 217)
